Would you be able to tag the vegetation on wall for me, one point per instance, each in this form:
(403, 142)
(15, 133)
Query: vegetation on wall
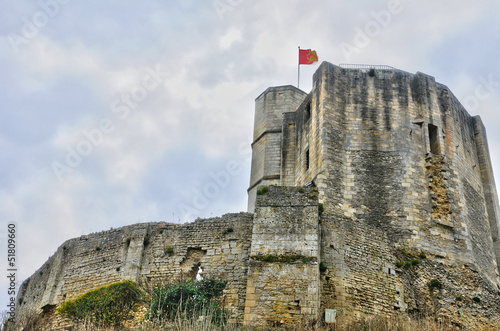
(263, 190)
(283, 258)
(188, 299)
(107, 306)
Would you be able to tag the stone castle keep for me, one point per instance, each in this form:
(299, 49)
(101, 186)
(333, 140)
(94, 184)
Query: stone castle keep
(373, 168)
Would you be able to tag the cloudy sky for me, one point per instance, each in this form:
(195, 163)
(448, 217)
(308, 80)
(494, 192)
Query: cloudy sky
(118, 112)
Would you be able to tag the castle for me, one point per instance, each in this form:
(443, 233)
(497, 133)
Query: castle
(363, 194)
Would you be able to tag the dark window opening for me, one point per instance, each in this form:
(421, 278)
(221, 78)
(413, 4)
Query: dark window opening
(434, 139)
(307, 112)
(307, 160)
(297, 304)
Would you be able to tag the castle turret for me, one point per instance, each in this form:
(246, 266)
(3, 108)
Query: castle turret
(266, 146)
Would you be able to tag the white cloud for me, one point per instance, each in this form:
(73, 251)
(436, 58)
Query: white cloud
(232, 35)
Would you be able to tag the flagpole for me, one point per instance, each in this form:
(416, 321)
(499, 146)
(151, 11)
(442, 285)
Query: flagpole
(298, 71)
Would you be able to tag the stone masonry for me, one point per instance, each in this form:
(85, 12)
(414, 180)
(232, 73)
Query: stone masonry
(371, 195)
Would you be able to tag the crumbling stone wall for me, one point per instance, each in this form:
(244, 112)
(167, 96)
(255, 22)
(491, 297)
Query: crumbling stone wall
(152, 252)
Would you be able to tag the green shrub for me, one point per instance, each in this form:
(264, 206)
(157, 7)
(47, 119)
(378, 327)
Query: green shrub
(322, 267)
(128, 241)
(98, 248)
(407, 264)
(476, 299)
(108, 305)
(146, 240)
(399, 264)
(305, 259)
(269, 258)
(263, 190)
(415, 261)
(188, 299)
(300, 189)
(118, 269)
(228, 230)
(321, 209)
(169, 251)
(422, 255)
(435, 283)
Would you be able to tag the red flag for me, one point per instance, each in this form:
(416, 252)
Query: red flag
(306, 56)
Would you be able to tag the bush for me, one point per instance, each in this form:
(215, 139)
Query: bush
(188, 299)
(108, 305)
(408, 264)
(98, 248)
(476, 299)
(415, 261)
(300, 189)
(169, 251)
(435, 283)
(228, 230)
(263, 190)
(146, 240)
(322, 267)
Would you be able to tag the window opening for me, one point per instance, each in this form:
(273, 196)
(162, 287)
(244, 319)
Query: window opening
(307, 159)
(434, 139)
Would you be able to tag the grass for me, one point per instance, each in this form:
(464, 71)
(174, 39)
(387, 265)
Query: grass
(199, 322)
(343, 324)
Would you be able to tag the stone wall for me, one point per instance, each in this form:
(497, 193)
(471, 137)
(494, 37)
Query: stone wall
(283, 275)
(401, 171)
(153, 252)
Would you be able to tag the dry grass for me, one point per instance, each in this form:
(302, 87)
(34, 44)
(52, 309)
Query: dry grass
(203, 324)
(363, 324)
(29, 321)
